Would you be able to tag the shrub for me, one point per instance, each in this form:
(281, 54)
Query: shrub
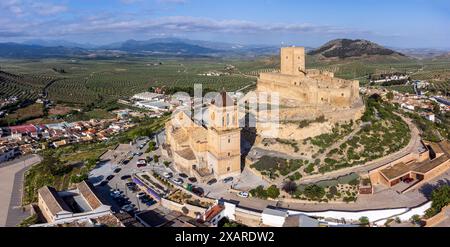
(314, 192)
(364, 220)
(273, 192)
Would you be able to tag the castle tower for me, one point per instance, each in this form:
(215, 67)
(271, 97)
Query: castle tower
(224, 137)
(292, 60)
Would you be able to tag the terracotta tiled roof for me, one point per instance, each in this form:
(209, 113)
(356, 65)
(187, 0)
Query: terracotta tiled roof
(52, 200)
(88, 192)
(215, 210)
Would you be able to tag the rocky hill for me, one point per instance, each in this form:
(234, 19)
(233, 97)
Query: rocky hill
(347, 48)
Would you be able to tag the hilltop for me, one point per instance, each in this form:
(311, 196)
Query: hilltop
(348, 49)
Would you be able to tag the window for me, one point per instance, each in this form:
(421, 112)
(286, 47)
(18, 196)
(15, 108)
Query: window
(229, 140)
(228, 169)
(287, 57)
(228, 153)
(342, 94)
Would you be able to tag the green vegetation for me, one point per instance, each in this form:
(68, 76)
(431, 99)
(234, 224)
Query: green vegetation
(98, 82)
(440, 198)
(364, 220)
(384, 132)
(151, 147)
(271, 192)
(432, 131)
(33, 219)
(291, 143)
(23, 115)
(344, 188)
(326, 140)
(274, 167)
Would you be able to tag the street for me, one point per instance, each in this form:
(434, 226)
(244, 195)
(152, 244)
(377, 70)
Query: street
(11, 188)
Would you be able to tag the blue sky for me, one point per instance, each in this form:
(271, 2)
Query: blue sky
(400, 23)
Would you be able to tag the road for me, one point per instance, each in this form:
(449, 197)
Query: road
(11, 187)
(387, 198)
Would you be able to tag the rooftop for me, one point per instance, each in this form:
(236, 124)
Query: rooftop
(186, 153)
(426, 166)
(53, 201)
(215, 210)
(396, 170)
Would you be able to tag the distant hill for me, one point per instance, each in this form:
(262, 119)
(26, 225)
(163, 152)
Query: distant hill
(164, 48)
(347, 49)
(56, 43)
(15, 50)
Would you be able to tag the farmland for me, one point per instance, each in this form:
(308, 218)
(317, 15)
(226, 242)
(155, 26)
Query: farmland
(81, 82)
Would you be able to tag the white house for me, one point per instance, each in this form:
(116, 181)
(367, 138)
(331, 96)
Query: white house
(273, 217)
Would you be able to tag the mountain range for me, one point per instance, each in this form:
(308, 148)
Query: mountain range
(335, 49)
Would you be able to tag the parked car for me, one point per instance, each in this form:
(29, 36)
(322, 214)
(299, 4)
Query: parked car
(198, 191)
(130, 184)
(109, 177)
(128, 209)
(125, 177)
(228, 179)
(141, 194)
(192, 179)
(141, 146)
(141, 163)
(212, 181)
(243, 194)
(117, 170)
(167, 175)
(183, 175)
(125, 162)
(178, 181)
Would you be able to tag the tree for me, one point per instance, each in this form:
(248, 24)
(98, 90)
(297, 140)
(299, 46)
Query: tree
(289, 187)
(273, 192)
(156, 158)
(364, 220)
(166, 163)
(314, 191)
(390, 95)
(415, 219)
(440, 198)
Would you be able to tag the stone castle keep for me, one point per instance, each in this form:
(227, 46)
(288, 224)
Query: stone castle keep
(308, 86)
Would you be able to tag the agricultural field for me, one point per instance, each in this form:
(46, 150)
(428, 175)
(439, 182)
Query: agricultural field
(83, 82)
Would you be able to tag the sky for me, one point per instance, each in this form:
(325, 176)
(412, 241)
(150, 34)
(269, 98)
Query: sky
(399, 23)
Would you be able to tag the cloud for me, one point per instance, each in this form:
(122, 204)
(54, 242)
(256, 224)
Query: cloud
(195, 24)
(110, 24)
(20, 8)
(48, 9)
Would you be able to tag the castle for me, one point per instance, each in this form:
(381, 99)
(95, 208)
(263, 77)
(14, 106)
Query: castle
(211, 150)
(308, 86)
(214, 149)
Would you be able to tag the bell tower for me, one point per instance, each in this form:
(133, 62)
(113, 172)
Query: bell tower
(224, 137)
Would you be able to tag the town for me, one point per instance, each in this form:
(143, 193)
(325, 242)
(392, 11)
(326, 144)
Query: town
(189, 172)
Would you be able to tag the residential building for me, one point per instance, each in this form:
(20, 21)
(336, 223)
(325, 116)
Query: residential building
(71, 205)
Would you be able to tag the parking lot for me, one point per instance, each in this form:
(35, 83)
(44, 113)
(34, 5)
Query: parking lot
(112, 177)
(114, 172)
